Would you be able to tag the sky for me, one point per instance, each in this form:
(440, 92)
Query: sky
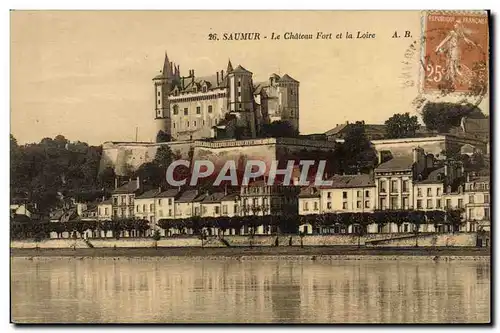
(88, 74)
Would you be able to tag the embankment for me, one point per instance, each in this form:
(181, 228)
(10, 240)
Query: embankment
(370, 240)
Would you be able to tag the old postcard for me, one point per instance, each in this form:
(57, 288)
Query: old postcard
(250, 167)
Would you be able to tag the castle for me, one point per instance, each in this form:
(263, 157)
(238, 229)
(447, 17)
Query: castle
(226, 105)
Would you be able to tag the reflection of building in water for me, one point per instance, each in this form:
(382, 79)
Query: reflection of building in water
(133, 290)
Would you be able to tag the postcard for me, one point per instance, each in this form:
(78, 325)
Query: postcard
(295, 167)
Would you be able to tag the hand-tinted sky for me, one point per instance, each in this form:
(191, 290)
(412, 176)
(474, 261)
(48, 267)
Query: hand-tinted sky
(87, 74)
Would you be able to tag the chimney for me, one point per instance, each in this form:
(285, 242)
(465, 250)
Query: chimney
(159, 189)
(138, 182)
(217, 78)
(379, 155)
(446, 170)
(222, 75)
(225, 190)
(116, 183)
(103, 198)
(415, 155)
(347, 122)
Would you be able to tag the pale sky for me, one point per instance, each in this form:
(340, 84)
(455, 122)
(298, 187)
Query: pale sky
(87, 74)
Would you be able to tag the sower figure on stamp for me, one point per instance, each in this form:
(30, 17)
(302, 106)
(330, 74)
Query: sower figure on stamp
(450, 46)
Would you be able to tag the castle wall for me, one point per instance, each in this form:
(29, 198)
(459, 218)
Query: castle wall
(432, 144)
(129, 156)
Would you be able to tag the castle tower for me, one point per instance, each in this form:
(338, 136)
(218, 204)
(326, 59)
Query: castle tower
(240, 97)
(288, 100)
(162, 86)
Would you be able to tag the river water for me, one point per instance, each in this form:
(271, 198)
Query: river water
(253, 291)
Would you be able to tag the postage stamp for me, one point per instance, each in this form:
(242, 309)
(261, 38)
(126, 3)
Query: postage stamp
(455, 52)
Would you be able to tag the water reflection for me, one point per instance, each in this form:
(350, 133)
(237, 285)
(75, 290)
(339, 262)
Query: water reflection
(108, 290)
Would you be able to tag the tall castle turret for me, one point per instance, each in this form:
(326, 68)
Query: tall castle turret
(240, 97)
(288, 95)
(163, 84)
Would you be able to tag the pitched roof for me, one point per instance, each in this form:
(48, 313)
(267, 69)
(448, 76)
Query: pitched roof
(309, 192)
(148, 194)
(479, 179)
(214, 197)
(337, 129)
(476, 126)
(350, 181)
(129, 187)
(231, 196)
(170, 193)
(105, 202)
(435, 176)
(188, 196)
(159, 76)
(369, 128)
(287, 78)
(240, 69)
(399, 163)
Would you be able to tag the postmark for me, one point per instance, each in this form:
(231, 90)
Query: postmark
(455, 53)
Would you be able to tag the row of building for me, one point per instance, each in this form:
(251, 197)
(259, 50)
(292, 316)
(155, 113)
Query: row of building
(413, 182)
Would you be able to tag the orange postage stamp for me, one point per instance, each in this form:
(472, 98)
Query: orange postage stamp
(455, 52)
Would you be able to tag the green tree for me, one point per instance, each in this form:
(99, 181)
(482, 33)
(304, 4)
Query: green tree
(162, 136)
(358, 154)
(279, 129)
(150, 173)
(402, 126)
(441, 116)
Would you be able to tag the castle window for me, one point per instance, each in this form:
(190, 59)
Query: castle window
(203, 122)
(158, 94)
(187, 123)
(198, 110)
(185, 111)
(195, 123)
(159, 101)
(176, 110)
(174, 125)
(239, 93)
(239, 83)
(239, 106)
(210, 109)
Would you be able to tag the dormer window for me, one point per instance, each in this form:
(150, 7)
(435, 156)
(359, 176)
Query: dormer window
(175, 110)
(195, 89)
(204, 89)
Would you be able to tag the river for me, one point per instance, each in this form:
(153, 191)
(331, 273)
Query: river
(119, 290)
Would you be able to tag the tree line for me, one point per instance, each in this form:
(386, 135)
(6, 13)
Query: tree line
(286, 224)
